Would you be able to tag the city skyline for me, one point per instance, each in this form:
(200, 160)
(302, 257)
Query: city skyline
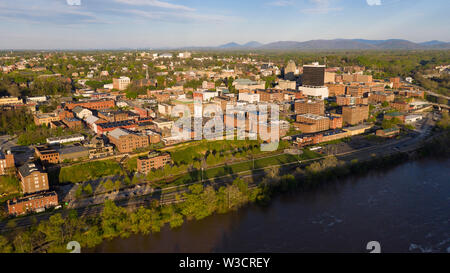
(101, 24)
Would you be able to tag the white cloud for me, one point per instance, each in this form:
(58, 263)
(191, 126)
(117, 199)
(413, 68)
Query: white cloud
(374, 2)
(155, 3)
(73, 2)
(180, 17)
(281, 3)
(320, 7)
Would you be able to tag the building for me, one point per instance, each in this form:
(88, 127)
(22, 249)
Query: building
(72, 123)
(99, 149)
(290, 70)
(113, 116)
(249, 97)
(47, 155)
(395, 115)
(336, 122)
(92, 104)
(286, 85)
(355, 114)
(380, 97)
(336, 89)
(32, 203)
(315, 91)
(127, 142)
(105, 127)
(10, 101)
(32, 178)
(81, 113)
(121, 83)
(247, 84)
(330, 77)
(358, 90)
(400, 106)
(395, 82)
(388, 133)
(309, 123)
(345, 100)
(65, 139)
(153, 161)
(67, 153)
(184, 55)
(412, 119)
(313, 75)
(6, 163)
(40, 119)
(316, 107)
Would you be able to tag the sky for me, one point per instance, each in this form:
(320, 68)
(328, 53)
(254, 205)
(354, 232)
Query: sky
(111, 24)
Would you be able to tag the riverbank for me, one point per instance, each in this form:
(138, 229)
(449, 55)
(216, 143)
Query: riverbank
(53, 235)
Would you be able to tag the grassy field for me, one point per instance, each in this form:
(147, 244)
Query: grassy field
(89, 171)
(9, 187)
(239, 167)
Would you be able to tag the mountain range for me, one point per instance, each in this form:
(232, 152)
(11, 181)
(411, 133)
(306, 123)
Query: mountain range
(336, 44)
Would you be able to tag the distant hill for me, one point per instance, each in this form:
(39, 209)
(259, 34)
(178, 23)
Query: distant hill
(339, 44)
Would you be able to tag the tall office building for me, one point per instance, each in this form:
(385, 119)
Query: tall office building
(313, 75)
(290, 71)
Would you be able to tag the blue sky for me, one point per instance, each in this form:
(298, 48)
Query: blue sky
(82, 24)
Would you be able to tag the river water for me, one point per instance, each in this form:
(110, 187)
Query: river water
(405, 209)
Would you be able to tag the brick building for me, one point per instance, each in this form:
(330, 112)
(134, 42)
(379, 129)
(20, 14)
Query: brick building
(47, 155)
(345, 100)
(316, 107)
(93, 104)
(154, 160)
(309, 123)
(355, 114)
(358, 90)
(400, 106)
(336, 89)
(380, 97)
(32, 203)
(32, 178)
(126, 141)
(336, 122)
(6, 163)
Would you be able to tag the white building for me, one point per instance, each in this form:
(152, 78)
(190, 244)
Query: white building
(37, 99)
(412, 118)
(184, 55)
(65, 139)
(81, 113)
(121, 83)
(249, 97)
(320, 91)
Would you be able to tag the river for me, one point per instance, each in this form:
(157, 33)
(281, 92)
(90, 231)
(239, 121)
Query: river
(405, 209)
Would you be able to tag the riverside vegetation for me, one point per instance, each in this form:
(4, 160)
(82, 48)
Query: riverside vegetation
(198, 203)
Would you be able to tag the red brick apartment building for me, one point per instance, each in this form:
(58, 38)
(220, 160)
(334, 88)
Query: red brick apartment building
(93, 104)
(380, 97)
(32, 178)
(32, 203)
(309, 123)
(336, 89)
(400, 106)
(355, 114)
(315, 107)
(154, 160)
(127, 142)
(6, 162)
(345, 100)
(358, 90)
(47, 155)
